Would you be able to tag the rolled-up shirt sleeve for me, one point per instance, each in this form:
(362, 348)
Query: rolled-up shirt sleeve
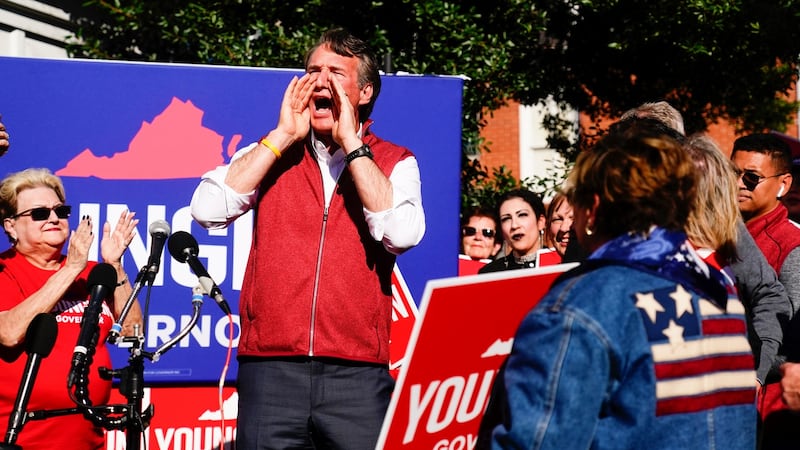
(214, 204)
(402, 226)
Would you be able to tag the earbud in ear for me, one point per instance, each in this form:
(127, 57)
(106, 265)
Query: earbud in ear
(780, 192)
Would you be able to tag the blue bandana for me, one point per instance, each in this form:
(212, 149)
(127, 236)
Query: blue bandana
(668, 255)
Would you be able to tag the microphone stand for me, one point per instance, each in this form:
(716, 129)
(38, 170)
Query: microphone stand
(132, 377)
(144, 275)
(131, 385)
(197, 304)
(128, 416)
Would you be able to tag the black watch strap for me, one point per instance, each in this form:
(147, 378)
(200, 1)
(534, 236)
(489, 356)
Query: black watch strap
(357, 153)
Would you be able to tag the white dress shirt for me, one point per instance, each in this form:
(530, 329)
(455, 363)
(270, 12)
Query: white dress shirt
(215, 205)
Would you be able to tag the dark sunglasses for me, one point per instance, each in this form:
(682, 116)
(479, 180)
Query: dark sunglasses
(470, 231)
(751, 180)
(43, 213)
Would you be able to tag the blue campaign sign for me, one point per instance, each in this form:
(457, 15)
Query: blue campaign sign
(140, 136)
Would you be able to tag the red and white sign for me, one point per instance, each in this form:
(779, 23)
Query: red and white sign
(465, 330)
(185, 418)
(404, 316)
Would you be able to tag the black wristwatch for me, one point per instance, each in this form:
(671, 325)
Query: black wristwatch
(357, 153)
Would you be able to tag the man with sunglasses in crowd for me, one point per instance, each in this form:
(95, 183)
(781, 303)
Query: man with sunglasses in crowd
(764, 162)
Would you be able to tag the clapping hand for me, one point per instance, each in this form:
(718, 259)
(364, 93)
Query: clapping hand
(4, 139)
(114, 243)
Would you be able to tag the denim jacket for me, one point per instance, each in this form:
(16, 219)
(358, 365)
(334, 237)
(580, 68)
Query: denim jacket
(622, 356)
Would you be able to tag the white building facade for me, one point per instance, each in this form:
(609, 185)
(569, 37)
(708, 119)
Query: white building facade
(33, 29)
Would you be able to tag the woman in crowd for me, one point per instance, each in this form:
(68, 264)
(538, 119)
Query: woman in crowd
(713, 228)
(35, 277)
(480, 240)
(712, 225)
(522, 221)
(559, 222)
(642, 346)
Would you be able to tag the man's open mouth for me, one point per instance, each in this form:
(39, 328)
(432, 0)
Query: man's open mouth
(322, 103)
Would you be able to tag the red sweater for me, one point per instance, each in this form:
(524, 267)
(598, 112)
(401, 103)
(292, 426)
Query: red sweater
(316, 283)
(775, 236)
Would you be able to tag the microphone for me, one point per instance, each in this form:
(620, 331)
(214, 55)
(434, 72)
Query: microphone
(102, 281)
(39, 340)
(159, 231)
(183, 247)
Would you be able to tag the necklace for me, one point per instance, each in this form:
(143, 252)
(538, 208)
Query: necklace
(525, 259)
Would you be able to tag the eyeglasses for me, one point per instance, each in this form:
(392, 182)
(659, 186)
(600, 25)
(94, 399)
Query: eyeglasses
(470, 231)
(43, 213)
(751, 179)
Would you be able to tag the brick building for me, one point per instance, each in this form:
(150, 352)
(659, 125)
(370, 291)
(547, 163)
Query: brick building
(518, 142)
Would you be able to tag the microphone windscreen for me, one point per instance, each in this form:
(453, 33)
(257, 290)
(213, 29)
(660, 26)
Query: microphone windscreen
(41, 335)
(103, 274)
(159, 226)
(179, 242)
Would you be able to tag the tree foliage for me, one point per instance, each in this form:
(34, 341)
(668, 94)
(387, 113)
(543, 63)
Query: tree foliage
(712, 59)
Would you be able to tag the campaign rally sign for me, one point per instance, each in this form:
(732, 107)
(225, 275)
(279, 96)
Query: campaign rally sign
(464, 332)
(139, 136)
(178, 424)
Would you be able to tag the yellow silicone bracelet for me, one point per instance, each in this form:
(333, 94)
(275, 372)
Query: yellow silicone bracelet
(270, 146)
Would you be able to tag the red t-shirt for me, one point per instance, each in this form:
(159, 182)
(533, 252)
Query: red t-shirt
(18, 280)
